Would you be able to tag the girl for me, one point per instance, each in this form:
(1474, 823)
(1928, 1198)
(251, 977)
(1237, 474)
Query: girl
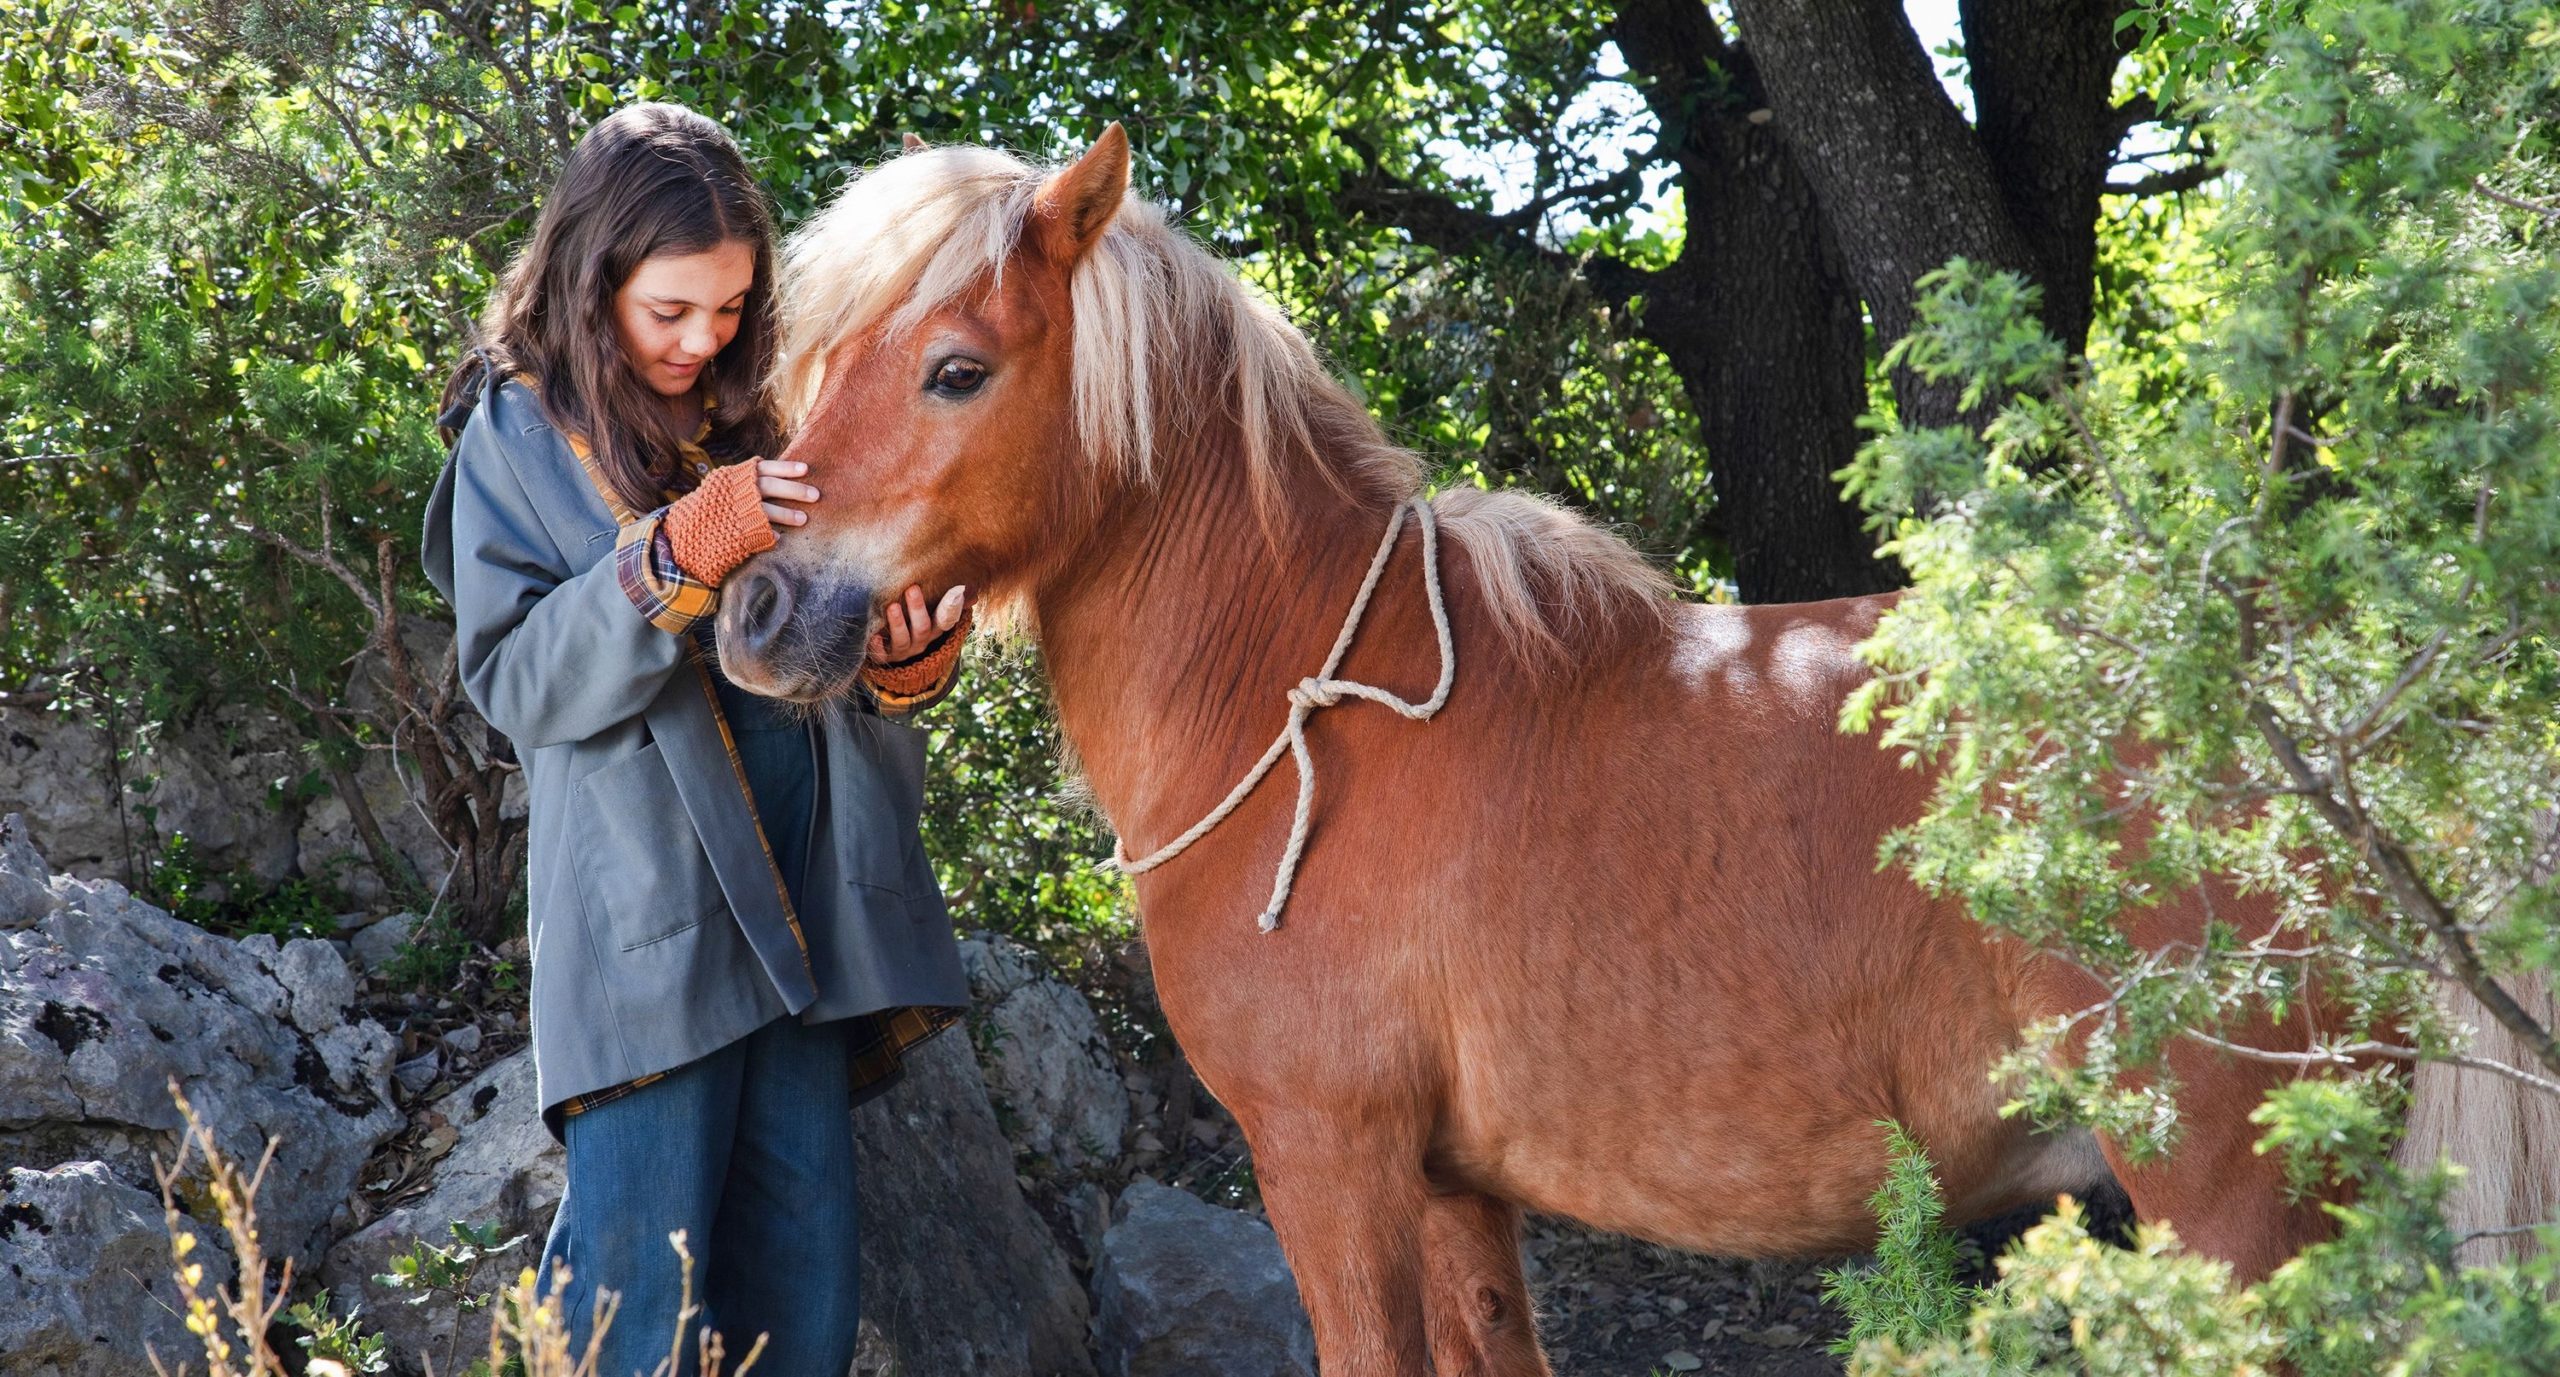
(734, 930)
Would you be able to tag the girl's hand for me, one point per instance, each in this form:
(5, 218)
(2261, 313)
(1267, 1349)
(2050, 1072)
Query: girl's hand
(774, 483)
(907, 628)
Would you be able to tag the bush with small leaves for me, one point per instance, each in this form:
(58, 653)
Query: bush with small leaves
(2289, 599)
(1912, 1292)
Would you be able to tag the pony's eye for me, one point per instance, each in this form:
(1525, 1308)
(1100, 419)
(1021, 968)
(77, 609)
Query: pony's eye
(958, 377)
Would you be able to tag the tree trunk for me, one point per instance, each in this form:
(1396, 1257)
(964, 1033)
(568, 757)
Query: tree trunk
(1906, 184)
(1899, 176)
(1758, 316)
(2043, 73)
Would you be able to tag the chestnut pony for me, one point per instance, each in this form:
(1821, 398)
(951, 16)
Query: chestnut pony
(1606, 937)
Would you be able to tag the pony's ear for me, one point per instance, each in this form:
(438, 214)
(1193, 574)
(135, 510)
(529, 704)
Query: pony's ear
(909, 143)
(1078, 201)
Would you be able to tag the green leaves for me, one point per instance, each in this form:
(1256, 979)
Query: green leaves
(2067, 1303)
(2271, 614)
(446, 1270)
(1911, 1294)
(1984, 333)
(340, 1340)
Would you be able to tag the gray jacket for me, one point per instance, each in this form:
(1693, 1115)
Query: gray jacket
(660, 930)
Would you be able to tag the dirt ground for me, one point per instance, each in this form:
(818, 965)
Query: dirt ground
(1614, 1307)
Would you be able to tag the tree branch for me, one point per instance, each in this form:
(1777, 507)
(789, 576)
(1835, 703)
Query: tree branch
(1438, 221)
(1675, 50)
(2349, 1053)
(325, 558)
(1623, 182)
(2123, 119)
(14, 460)
(2548, 212)
(2408, 889)
(2163, 183)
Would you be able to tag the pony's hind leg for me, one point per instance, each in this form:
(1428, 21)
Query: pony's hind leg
(1475, 1299)
(1349, 1213)
(2225, 1199)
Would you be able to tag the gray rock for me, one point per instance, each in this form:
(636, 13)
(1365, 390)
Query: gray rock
(24, 902)
(210, 782)
(957, 1271)
(376, 946)
(1088, 1208)
(419, 1072)
(18, 854)
(504, 1169)
(88, 1290)
(26, 898)
(107, 1000)
(1185, 1289)
(465, 1039)
(1048, 1062)
(318, 983)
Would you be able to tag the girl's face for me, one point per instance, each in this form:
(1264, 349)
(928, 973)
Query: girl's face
(676, 311)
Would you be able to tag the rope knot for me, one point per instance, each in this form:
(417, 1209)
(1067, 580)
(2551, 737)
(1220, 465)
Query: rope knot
(1312, 693)
(1322, 690)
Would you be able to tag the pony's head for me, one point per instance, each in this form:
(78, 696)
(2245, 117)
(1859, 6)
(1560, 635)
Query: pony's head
(977, 356)
(927, 378)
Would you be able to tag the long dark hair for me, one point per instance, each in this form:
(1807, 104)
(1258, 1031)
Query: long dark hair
(650, 178)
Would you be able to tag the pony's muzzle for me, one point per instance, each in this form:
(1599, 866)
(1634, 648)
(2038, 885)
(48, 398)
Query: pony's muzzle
(785, 634)
(764, 600)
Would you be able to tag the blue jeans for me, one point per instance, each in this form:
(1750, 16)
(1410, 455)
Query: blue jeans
(749, 1151)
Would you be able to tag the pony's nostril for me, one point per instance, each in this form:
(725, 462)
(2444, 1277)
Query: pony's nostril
(768, 606)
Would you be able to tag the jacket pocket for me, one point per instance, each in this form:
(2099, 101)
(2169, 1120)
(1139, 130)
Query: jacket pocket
(879, 804)
(643, 873)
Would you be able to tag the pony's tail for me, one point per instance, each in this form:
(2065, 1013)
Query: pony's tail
(2505, 1134)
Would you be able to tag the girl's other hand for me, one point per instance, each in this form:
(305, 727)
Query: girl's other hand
(774, 483)
(907, 627)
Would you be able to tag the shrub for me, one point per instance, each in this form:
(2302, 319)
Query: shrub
(2288, 593)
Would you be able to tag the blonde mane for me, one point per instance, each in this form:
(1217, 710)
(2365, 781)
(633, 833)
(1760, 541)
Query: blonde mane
(920, 231)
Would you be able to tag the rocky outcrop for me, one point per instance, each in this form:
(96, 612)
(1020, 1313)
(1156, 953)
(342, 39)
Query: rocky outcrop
(1185, 1289)
(209, 780)
(88, 1288)
(26, 896)
(1047, 1061)
(105, 1000)
(378, 944)
(212, 780)
(957, 1271)
(502, 1168)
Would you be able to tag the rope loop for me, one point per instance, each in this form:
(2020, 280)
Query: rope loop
(1322, 690)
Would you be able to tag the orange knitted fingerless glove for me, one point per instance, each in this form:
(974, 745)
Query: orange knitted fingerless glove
(921, 674)
(713, 528)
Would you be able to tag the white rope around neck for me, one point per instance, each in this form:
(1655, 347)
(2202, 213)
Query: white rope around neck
(1323, 691)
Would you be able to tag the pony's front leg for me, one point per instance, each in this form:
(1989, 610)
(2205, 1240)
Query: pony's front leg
(1477, 1301)
(1349, 1211)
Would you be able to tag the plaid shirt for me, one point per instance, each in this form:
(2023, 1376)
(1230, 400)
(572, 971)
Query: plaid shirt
(677, 602)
